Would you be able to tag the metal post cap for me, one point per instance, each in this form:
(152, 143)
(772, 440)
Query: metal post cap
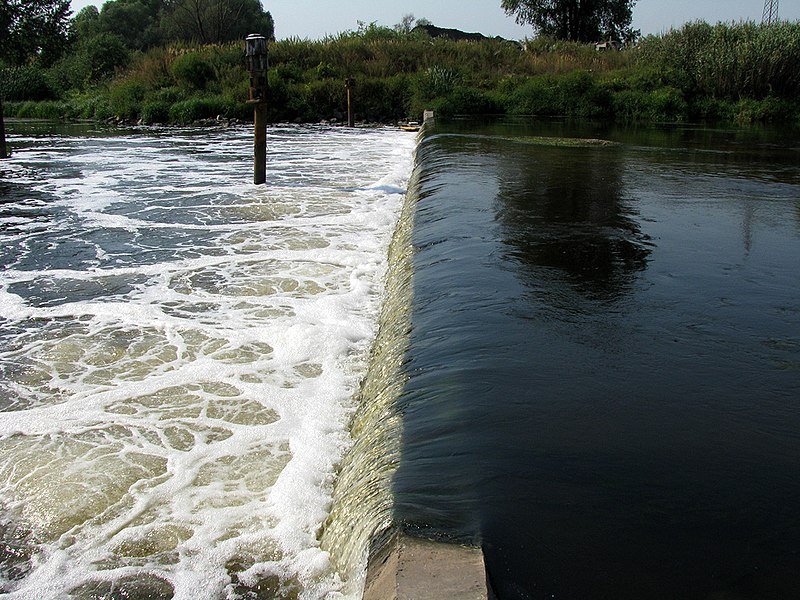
(255, 43)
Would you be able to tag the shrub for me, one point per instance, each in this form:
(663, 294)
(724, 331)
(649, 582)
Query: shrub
(195, 109)
(700, 72)
(125, 98)
(667, 104)
(25, 83)
(382, 99)
(710, 109)
(466, 101)
(437, 82)
(155, 111)
(663, 104)
(192, 69)
(296, 107)
(731, 61)
(537, 96)
(325, 70)
(768, 110)
(325, 97)
(288, 73)
(170, 95)
(277, 107)
(93, 60)
(91, 105)
(154, 68)
(48, 109)
(580, 96)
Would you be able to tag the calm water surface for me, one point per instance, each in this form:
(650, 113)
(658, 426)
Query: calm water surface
(605, 361)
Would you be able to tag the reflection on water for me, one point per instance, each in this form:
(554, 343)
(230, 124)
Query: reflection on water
(564, 215)
(605, 362)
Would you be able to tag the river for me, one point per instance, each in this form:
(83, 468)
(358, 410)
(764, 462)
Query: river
(604, 363)
(575, 345)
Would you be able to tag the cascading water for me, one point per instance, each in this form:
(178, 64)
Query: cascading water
(362, 514)
(180, 352)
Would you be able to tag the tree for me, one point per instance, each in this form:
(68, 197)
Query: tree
(575, 20)
(215, 21)
(136, 22)
(33, 30)
(86, 23)
(408, 22)
(98, 57)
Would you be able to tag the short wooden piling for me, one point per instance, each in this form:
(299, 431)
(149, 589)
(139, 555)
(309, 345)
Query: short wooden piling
(258, 64)
(349, 84)
(3, 153)
(260, 144)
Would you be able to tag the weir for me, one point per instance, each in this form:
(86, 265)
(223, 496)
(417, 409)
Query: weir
(409, 568)
(582, 359)
(362, 509)
(599, 373)
(152, 414)
(361, 533)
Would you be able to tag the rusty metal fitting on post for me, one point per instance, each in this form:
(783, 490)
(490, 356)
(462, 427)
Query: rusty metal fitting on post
(257, 63)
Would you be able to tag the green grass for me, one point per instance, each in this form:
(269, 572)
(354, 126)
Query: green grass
(743, 73)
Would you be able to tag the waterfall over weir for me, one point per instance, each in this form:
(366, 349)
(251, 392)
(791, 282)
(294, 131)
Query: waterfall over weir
(181, 354)
(362, 511)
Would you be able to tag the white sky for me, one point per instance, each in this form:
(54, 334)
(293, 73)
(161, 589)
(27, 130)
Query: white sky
(314, 19)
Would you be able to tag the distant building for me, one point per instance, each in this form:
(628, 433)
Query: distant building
(456, 34)
(450, 34)
(608, 45)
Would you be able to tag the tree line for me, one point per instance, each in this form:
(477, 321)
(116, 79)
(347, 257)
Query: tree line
(44, 51)
(95, 43)
(97, 65)
(576, 20)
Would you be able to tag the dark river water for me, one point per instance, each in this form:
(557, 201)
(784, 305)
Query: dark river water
(604, 373)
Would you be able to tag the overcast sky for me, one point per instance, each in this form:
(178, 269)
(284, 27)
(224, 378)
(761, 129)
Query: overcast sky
(314, 19)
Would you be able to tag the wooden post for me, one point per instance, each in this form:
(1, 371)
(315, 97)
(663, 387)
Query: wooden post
(260, 144)
(349, 84)
(3, 153)
(257, 64)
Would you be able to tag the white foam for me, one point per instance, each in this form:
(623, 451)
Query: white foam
(177, 399)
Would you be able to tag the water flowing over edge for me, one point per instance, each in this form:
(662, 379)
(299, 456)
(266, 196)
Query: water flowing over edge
(361, 518)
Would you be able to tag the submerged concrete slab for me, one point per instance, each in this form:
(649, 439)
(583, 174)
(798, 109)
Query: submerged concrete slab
(408, 568)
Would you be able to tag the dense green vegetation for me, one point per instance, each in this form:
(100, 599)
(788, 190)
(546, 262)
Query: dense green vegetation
(739, 73)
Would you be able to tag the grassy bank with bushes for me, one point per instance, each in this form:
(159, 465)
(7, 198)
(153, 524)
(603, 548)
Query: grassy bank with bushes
(744, 73)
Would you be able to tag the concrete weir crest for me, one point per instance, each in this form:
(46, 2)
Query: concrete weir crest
(408, 568)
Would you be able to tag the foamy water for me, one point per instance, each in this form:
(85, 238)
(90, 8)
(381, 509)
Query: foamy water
(179, 353)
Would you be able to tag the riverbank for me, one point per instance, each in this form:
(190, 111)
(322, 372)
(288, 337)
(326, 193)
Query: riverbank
(743, 74)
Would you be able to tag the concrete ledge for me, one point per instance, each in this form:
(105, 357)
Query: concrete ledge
(407, 568)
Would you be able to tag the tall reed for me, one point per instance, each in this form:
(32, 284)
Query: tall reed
(731, 61)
